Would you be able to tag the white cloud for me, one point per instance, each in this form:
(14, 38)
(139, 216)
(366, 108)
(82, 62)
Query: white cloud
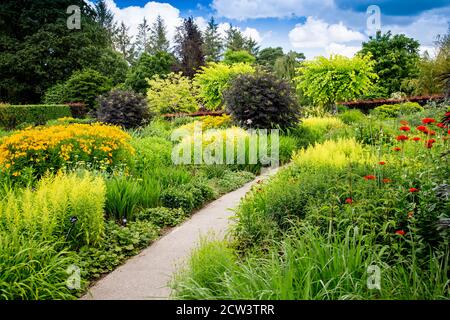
(248, 32)
(201, 23)
(254, 9)
(315, 33)
(342, 49)
(132, 16)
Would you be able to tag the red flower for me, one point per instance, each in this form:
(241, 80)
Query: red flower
(405, 128)
(428, 120)
(349, 200)
(448, 131)
(441, 125)
(416, 139)
(404, 122)
(381, 163)
(429, 143)
(447, 114)
(386, 180)
(402, 138)
(400, 232)
(431, 133)
(422, 128)
(397, 149)
(413, 190)
(370, 177)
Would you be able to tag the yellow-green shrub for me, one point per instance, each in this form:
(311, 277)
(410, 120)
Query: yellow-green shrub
(46, 212)
(51, 148)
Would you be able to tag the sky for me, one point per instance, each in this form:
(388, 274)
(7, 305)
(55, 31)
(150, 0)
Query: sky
(314, 27)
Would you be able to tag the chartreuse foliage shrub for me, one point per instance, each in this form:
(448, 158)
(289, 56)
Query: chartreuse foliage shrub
(396, 110)
(235, 57)
(262, 100)
(45, 212)
(171, 94)
(352, 116)
(14, 115)
(212, 80)
(123, 108)
(313, 130)
(52, 148)
(337, 79)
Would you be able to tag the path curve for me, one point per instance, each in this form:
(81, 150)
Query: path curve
(146, 276)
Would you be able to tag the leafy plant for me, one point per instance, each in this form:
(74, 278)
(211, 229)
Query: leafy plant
(163, 217)
(262, 101)
(12, 116)
(123, 108)
(395, 110)
(242, 56)
(171, 95)
(212, 80)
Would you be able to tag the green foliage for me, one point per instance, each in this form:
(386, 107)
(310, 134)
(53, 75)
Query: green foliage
(39, 51)
(85, 86)
(176, 198)
(214, 79)
(122, 197)
(395, 110)
(46, 211)
(171, 94)
(352, 116)
(56, 94)
(112, 65)
(163, 217)
(120, 242)
(146, 68)
(395, 59)
(213, 43)
(262, 101)
(268, 56)
(33, 270)
(232, 57)
(285, 67)
(327, 81)
(123, 108)
(12, 116)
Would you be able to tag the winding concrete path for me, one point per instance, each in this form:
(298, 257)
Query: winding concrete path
(146, 276)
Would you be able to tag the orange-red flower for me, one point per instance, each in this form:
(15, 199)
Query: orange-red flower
(370, 177)
(349, 200)
(441, 125)
(381, 163)
(413, 190)
(429, 143)
(402, 138)
(405, 128)
(397, 149)
(416, 139)
(428, 120)
(400, 232)
(387, 180)
(422, 128)
(404, 122)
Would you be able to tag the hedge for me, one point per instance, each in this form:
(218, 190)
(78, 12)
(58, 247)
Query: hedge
(13, 115)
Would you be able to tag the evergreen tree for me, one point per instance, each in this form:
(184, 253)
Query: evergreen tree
(105, 18)
(158, 36)
(143, 37)
(235, 40)
(189, 47)
(251, 46)
(124, 44)
(213, 43)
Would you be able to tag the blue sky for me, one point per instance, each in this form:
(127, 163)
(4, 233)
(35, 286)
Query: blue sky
(310, 26)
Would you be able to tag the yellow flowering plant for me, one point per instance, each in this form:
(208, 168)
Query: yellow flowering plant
(55, 147)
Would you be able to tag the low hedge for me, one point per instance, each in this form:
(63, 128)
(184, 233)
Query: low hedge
(13, 115)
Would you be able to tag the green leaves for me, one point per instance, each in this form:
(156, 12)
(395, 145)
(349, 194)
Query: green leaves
(337, 79)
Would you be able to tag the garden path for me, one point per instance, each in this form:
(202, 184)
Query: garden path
(146, 276)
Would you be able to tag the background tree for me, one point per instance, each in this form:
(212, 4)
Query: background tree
(158, 37)
(235, 40)
(338, 79)
(124, 43)
(212, 47)
(267, 57)
(285, 66)
(395, 59)
(251, 46)
(146, 68)
(189, 47)
(143, 37)
(105, 18)
(37, 50)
